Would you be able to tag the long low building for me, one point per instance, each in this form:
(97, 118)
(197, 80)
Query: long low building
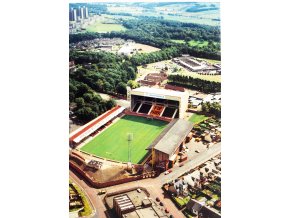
(86, 130)
(170, 142)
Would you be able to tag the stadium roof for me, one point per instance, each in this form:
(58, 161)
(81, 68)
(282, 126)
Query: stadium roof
(154, 92)
(174, 136)
(93, 125)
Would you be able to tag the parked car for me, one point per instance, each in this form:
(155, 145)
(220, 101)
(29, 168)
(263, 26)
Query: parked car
(102, 192)
(139, 190)
(158, 199)
(167, 172)
(161, 204)
(197, 151)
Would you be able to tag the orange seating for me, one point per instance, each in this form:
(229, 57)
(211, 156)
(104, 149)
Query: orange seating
(157, 110)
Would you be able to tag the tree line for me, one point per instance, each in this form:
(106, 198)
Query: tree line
(102, 71)
(194, 83)
(88, 104)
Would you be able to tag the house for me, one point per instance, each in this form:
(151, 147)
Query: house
(208, 168)
(208, 138)
(179, 187)
(193, 178)
(206, 212)
(194, 206)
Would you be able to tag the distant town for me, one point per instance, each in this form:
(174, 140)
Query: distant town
(145, 110)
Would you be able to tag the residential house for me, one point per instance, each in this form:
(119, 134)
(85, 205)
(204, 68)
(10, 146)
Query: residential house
(194, 206)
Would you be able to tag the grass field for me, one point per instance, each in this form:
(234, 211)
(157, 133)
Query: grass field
(145, 48)
(101, 27)
(197, 118)
(192, 42)
(180, 41)
(112, 142)
(210, 61)
(198, 43)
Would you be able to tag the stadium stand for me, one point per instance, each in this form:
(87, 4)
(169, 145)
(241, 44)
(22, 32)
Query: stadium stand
(91, 127)
(169, 112)
(157, 110)
(145, 108)
(136, 107)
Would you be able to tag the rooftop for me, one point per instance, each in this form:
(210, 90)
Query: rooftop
(161, 92)
(174, 136)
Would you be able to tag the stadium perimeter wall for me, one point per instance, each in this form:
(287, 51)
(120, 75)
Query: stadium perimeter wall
(97, 184)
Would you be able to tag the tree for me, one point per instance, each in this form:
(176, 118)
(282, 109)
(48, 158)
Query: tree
(88, 97)
(110, 103)
(85, 114)
(121, 88)
(133, 84)
(80, 102)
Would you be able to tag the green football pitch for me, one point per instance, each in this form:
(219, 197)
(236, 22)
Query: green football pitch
(112, 142)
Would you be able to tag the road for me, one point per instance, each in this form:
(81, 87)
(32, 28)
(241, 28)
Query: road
(198, 160)
(153, 185)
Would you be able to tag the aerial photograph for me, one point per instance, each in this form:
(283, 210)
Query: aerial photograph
(144, 110)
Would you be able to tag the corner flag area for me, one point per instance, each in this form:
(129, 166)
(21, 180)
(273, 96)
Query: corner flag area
(112, 142)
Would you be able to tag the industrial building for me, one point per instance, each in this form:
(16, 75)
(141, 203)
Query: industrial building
(123, 205)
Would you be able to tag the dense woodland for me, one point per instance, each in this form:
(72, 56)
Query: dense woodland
(88, 104)
(194, 83)
(109, 73)
(159, 33)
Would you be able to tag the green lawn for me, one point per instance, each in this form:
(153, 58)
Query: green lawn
(198, 43)
(180, 41)
(104, 27)
(197, 118)
(112, 142)
(210, 61)
(191, 42)
(182, 202)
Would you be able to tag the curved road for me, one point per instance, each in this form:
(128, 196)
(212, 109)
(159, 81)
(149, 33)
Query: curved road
(153, 185)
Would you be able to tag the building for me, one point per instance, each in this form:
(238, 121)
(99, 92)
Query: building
(190, 63)
(159, 102)
(194, 206)
(83, 132)
(170, 142)
(73, 14)
(123, 205)
(78, 14)
(86, 13)
(206, 212)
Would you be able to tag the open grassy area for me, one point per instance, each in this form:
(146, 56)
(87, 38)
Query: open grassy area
(214, 78)
(102, 27)
(192, 42)
(197, 118)
(182, 202)
(180, 41)
(198, 43)
(210, 61)
(112, 143)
